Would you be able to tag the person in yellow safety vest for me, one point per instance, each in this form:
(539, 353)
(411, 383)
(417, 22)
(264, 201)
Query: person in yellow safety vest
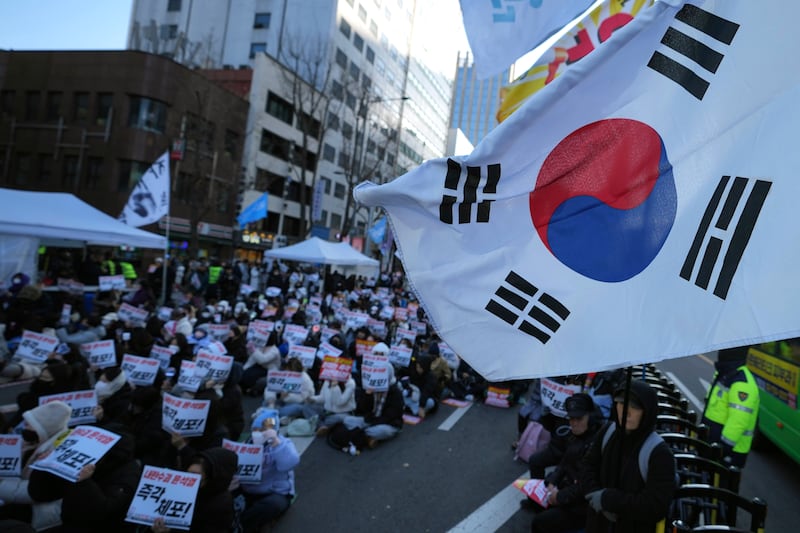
(214, 273)
(108, 266)
(732, 406)
(128, 272)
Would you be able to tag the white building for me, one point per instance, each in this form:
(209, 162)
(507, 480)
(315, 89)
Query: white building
(390, 59)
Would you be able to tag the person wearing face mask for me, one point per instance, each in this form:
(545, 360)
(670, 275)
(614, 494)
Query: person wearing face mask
(55, 378)
(113, 396)
(267, 500)
(43, 426)
(628, 473)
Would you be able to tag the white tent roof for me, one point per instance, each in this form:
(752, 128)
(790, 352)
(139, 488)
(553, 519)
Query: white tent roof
(49, 215)
(315, 250)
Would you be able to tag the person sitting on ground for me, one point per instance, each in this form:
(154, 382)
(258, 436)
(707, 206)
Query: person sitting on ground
(424, 379)
(259, 362)
(338, 400)
(379, 415)
(567, 508)
(292, 404)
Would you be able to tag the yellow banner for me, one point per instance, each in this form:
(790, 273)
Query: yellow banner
(576, 44)
(773, 370)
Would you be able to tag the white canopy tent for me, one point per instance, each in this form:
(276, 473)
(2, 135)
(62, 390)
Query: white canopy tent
(28, 218)
(316, 250)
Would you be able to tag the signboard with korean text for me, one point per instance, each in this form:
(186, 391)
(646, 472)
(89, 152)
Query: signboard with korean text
(377, 327)
(219, 332)
(216, 347)
(187, 379)
(133, 315)
(163, 354)
(328, 349)
(554, 396)
(184, 417)
(364, 347)
(109, 283)
(83, 446)
(167, 494)
(81, 402)
(306, 354)
(258, 332)
(294, 334)
(402, 333)
(449, 355)
(10, 456)
(400, 355)
(250, 457)
(498, 396)
(36, 346)
(375, 373)
(327, 333)
(101, 354)
(336, 368)
(213, 366)
(284, 381)
(140, 370)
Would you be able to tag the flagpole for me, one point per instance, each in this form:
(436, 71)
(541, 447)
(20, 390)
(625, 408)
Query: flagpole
(165, 263)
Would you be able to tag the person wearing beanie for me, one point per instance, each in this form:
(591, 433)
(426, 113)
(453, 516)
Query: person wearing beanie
(43, 426)
(731, 407)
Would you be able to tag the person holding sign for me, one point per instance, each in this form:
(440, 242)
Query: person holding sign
(213, 508)
(267, 500)
(291, 404)
(379, 415)
(113, 396)
(338, 400)
(43, 426)
(259, 362)
(100, 497)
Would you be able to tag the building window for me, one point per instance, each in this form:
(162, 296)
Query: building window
(344, 160)
(333, 121)
(308, 125)
(104, 103)
(262, 20)
(32, 105)
(7, 102)
(380, 66)
(341, 58)
(355, 72)
(328, 153)
(80, 107)
(344, 28)
(256, 48)
(390, 160)
(147, 114)
(23, 171)
(275, 145)
(373, 28)
(366, 82)
(129, 174)
(183, 188)
(370, 55)
(53, 106)
(326, 185)
(337, 90)
(174, 5)
(280, 108)
(323, 218)
(69, 172)
(358, 42)
(172, 31)
(362, 13)
(350, 101)
(347, 130)
(223, 200)
(94, 172)
(370, 146)
(231, 144)
(45, 168)
(336, 220)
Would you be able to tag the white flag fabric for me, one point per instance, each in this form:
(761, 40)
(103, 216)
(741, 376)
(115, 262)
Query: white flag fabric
(149, 200)
(641, 207)
(500, 31)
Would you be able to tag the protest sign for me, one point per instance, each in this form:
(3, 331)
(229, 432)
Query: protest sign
(284, 381)
(216, 348)
(187, 379)
(535, 489)
(132, 315)
(184, 417)
(377, 327)
(314, 315)
(402, 333)
(83, 446)
(387, 312)
(412, 309)
(375, 373)
(449, 355)
(81, 402)
(328, 349)
(258, 332)
(355, 320)
(250, 458)
(219, 332)
(246, 289)
(315, 302)
(327, 333)
(101, 354)
(291, 307)
(109, 283)
(213, 366)
(140, 370)
(400, 314)
(269, 310)
(36, 346)
(164, 313)
(163, 354)
(306, 354)
(498, 396)
(66, 313)
(336, 368)
(295, 334)
(10, 456)
(400, 355)
(554, 396)
(167, 494)
(420, 328)
(364, 347)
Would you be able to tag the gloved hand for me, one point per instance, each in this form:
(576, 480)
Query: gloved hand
(595, 499)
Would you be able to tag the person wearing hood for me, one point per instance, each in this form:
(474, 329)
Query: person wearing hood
(99, 499)
(619, 492)
(43, 426)
(270, 498)
(731, 408)
(151, 442)
(113, 396)
(55, 377)
(231, 402)
(213, 509)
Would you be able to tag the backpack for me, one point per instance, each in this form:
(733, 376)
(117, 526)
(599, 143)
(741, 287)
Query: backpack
(535, 438)
(649, 444)
(340, 438)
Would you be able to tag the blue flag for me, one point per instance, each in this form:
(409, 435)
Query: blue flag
(253, 212)
(378, 231)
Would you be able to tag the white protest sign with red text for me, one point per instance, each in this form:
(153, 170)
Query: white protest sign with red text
(167, 494)
(101, 354)
(213, 366)
(10, 456)
(140, 370)
(36, 346)
(84, 445)
(284, 381)
(336, 368)
(82, 403)
(306, 354)
(250, 458)
(184, 417)
(554, 396)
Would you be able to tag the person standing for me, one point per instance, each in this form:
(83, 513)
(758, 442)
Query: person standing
(731, 408)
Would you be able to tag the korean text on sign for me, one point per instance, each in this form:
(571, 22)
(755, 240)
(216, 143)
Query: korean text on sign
(36, 346)
(140, 370)
(83, 446)
(554, 396)
(305, 354)
(284, 381)
(250, 457)
(134, 315)
(336, 368)
(213, 366)
(400, 355)
(10, 455)
(82, 403)
(167, 494)
(184, 417)
(188, 379)
(101, 354)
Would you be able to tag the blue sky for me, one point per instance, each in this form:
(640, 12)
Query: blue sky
(64, 24)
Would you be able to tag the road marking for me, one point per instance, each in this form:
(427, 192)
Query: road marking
(494, 513)
(685, 390)
(706, 358)
(302, 443)
(706, 385)
(451, 420)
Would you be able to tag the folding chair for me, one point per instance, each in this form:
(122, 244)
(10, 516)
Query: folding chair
(695, 506)
(676, 424)
(669, 409)
(693, 470)
(680, 443)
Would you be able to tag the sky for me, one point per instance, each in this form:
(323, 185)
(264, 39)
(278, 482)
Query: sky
(64, 24)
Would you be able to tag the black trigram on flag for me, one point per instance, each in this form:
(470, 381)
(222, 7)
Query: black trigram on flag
(470, 186)
(681, 71)
(544, 314)
(749, 193)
